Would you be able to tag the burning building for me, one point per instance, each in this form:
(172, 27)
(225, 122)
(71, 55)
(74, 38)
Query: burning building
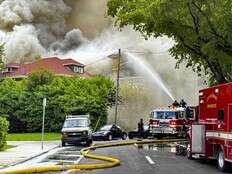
(60, 67)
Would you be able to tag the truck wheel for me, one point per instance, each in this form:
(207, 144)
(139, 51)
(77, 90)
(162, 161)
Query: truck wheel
(221, 163)
(63, 143)
(188, 152)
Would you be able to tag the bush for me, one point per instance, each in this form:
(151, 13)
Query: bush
(3, 131)
(22, 100)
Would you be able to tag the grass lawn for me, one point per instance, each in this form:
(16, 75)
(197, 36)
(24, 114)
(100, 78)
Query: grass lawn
(32, 136)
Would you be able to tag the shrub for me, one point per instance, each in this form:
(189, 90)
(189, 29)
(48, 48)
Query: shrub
(3, 131)
(22, 100)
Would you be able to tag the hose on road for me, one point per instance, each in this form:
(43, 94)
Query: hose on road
(111, 162)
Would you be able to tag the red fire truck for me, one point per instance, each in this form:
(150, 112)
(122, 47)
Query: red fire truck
(211, 135)
(170, 121)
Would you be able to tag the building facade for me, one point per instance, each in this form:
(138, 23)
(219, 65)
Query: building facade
(59, 67)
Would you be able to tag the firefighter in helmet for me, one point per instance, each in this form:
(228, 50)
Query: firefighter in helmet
(183, 104)
(175, 104)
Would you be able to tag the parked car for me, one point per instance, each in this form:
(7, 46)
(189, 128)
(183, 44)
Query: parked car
(134, 133)
(109, 132)
(76, 130)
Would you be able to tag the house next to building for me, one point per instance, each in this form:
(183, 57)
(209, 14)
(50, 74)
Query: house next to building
(60, 67)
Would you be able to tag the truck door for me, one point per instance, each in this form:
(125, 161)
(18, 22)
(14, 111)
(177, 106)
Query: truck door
(229, 130)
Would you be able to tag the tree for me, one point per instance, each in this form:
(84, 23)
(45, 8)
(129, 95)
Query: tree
(3, 131)
(10, 91)
(22, 100)
(201, 30)
(39, 78)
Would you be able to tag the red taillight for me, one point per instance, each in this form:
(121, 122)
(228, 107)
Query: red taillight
(154, 123)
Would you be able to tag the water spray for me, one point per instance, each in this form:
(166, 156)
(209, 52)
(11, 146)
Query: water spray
(149, 71)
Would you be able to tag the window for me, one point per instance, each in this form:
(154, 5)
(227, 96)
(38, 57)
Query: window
(164, 115)
(72, 123)
(78, 69)
(75, 69)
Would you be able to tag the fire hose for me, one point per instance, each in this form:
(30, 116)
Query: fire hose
(111, 162)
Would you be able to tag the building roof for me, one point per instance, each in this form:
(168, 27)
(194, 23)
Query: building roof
(56, 65)
(13, 64)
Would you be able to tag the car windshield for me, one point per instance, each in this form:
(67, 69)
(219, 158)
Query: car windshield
(106, 128)
(164, 115)
(72, 123)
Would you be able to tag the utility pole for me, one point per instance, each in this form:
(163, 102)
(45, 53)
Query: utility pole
(117, 87)
(42, 138)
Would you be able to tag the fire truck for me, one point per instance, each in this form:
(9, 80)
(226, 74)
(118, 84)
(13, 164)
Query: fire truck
(171, 121)
(210, 136)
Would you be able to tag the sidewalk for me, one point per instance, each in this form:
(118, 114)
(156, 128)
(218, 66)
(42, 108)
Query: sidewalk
(23, 151)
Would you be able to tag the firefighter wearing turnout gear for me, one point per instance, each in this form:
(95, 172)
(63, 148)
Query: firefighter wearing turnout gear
(140, 128)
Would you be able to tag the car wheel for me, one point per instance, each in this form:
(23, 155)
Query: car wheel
(221, 163)
(63, 143)
(110, 137)
(124, 136)
(89, 142)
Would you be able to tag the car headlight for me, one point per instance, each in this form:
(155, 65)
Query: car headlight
(85, 132)
(105, 133)
(64, 134)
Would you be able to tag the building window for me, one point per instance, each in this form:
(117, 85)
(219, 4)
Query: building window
(78, 69)
(75, 69)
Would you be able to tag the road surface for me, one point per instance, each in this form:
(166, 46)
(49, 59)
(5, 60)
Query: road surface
(152, 159)
(135, 159)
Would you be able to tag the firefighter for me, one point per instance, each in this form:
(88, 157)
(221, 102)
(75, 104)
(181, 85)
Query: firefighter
(140, 128)
(175, 104)
(183, 104)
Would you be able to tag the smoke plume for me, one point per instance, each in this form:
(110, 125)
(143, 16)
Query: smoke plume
(31, 28)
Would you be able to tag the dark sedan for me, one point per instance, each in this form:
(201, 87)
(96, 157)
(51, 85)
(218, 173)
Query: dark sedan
(134, 133)
(109, 132)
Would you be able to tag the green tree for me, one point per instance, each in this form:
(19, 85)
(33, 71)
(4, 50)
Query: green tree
(22, 100)
(10, 91)
(201, 30)
(38, 78)
(3, 131)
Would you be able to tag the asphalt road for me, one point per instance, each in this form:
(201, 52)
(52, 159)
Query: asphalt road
(152, 159)
(146, 159)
